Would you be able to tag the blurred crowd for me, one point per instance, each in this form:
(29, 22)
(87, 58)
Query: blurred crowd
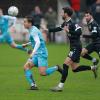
(49, 19)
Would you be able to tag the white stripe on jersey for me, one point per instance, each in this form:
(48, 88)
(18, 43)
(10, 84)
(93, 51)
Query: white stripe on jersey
(77, 27)
(37, 43)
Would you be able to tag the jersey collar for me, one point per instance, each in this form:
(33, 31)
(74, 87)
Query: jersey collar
(91, 21)
(68, 20)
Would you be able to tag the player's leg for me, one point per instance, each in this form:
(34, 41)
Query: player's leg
(1, 38)
(88, 50)
(78, 68)
(64, 76)
(43, 69)
(74, 67)
(27, 69)
(68, 62)
(74, 57)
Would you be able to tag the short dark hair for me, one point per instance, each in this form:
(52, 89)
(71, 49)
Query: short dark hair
(30, 19)
(88, 12)
(68, 10)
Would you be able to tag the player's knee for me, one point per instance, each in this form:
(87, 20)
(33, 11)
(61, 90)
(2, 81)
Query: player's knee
(27, 66)
(84, 51)
(42, 73)
(82, 54)
(13, 46)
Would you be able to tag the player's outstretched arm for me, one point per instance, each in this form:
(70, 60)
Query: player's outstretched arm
(26, 44)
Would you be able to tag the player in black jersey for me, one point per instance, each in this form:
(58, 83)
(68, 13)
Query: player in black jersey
(73, 31)
(94, 30)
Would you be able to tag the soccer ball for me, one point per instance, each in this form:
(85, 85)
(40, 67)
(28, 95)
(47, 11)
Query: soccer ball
(13, 11)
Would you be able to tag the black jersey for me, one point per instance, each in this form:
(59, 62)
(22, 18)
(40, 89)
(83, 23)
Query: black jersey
(94, 32)
(74, 32)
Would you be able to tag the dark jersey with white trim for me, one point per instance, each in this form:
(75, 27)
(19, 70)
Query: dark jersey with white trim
(74, 33)
(94, 32)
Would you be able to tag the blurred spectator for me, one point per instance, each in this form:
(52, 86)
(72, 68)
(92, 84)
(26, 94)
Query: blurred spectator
(51, 18)
(75, 4)
(95, 9)
(85, 31)
(89, 3)
(37, 14)
(44, 29)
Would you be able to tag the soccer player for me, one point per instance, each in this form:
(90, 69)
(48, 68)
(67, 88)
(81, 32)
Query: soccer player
(39, 54)
(95, 36)
(73, 31)
(4, 32)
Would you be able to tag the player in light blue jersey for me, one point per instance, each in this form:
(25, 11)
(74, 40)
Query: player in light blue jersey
(4, 31)
(39, 56)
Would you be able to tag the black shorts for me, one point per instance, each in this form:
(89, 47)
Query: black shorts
(93, 47)
(74, 54)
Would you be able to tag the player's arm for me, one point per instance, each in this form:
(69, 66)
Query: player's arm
(26, 44)
(37, 44)
(11, 18)
(57, 29)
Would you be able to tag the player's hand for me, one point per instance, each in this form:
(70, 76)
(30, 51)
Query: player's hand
(45, 29)
(66, 28)
(13, 30)
(24, 45)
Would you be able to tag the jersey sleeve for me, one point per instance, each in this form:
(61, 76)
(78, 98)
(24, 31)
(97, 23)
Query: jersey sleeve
(13, 19)
(57, 29)
(75, 29)
(94, 31)
(37, 41)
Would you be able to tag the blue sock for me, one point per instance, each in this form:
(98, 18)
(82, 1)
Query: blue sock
(29, 76)
(21, 47)
(51, 70)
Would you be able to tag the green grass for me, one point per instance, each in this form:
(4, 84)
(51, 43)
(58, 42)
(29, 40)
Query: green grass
(13, 85)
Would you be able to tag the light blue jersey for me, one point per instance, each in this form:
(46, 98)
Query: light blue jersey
(41, 53)
(4, 25)
(34, 31)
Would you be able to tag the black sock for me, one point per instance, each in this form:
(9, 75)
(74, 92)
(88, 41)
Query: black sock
(86, 56)
(82, 68)
(64, 73)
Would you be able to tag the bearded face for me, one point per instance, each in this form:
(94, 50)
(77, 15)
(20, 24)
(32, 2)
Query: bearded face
(88, 17)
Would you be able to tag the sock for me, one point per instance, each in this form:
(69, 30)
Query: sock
(59, 69)
(64, 73)
(94, 60)
(82, 68)
(21, 47)
(86, 56)
(51, 70)
(29, 77)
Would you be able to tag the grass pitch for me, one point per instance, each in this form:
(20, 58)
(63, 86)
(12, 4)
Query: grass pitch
(13, 85)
